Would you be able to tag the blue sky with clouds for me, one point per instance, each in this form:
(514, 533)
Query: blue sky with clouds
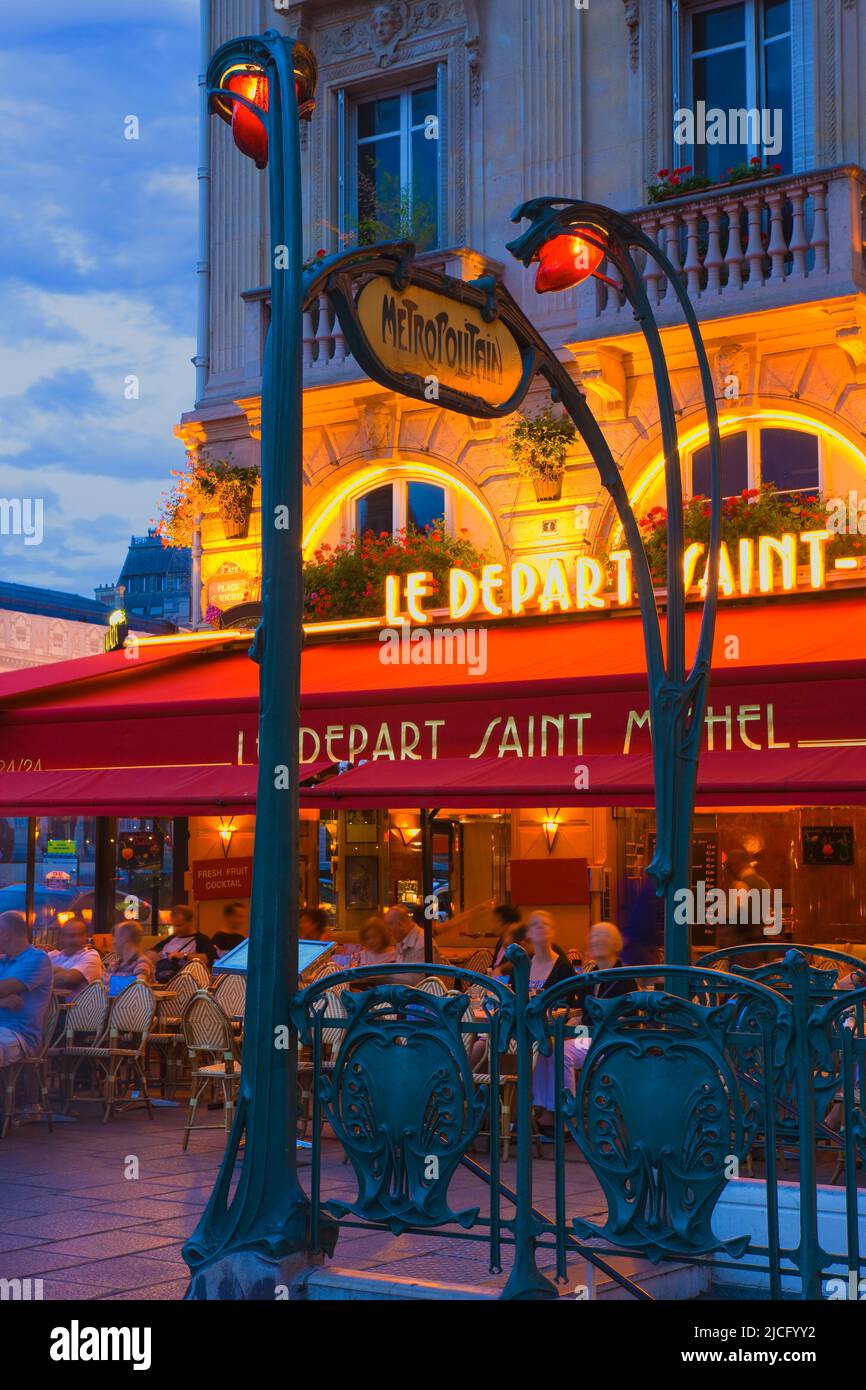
(97, 273)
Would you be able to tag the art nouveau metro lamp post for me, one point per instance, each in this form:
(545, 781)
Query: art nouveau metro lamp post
(569, 240)
(245, 1241)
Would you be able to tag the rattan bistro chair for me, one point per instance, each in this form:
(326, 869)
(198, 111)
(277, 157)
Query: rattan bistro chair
(200, 973)
(480, 961)
(507, 1094)
(332, 1039)
(207, 1032)
(119, 1055)
(85, 1025)
(230, 992)
(167, 1037)
(37, 1063)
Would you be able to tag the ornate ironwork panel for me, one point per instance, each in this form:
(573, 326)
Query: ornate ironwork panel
(400, 1097)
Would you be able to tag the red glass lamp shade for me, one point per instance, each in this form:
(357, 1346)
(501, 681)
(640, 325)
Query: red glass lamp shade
(248, 130)
(251, 81)
(564, 261)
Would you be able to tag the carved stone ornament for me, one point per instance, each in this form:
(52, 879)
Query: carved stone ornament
(377, 426)
(385, 28)
(733, 368)
(632, 19)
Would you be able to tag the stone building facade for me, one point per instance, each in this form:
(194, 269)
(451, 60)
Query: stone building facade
(535, 97)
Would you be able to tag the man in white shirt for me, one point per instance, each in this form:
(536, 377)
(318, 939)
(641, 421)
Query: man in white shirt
(76, 964)
(408, 944)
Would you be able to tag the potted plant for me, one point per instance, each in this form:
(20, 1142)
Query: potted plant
(232, 489)
(219, 483)
(539, 446)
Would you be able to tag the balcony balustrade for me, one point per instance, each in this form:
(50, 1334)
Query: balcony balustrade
(744, 248)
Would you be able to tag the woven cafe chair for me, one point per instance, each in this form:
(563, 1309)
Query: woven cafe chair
(85, 1024)
(120, 1053)
(317, 973)
(331, 1041)
(230, 992)
(480, 961)
(507, 1093)
(166, 1037)
(207, 1033)
(432, 985)
(38, 1063)
(200, 973)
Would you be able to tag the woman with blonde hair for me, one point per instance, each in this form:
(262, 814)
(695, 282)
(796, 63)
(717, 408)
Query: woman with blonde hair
(605, 945)
(127, 958)
(549, 962)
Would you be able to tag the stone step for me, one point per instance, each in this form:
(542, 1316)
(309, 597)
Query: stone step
(333, 1283)
(671, 1281)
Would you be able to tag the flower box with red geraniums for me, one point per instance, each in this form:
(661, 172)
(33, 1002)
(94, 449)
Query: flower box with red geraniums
(676, 183)
(752, 513)
(348, 580)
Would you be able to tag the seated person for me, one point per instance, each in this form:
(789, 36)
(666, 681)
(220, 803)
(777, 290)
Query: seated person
(605, 947)
(25, 990)
(511, 932)
(127, 958)
(313, 924)
(377, 948)
(236, 919)
(76, 964)
(174, 951)
(549, 963)
(225, 941)
(409, 944)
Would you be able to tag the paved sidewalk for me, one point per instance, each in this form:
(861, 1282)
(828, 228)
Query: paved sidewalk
(101, 1211)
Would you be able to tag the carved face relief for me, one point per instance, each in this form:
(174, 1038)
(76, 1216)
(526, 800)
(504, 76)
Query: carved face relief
(377, 422)
(386, 25)
(733, 366)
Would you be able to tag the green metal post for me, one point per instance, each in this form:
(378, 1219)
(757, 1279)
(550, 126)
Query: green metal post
(677, 698)
(245, 1247)
(525, 1280)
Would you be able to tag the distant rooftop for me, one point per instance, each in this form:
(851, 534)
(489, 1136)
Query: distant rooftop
(147, 555)
(53, 603)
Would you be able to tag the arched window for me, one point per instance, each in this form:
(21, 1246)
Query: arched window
(405, 504)
(789, 459)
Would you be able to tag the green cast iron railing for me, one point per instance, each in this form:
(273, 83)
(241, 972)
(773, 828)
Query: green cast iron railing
(682, 1081)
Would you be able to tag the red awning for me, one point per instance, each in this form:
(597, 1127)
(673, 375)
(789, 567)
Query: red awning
(168, 791)
(170, 727)
(780, 778)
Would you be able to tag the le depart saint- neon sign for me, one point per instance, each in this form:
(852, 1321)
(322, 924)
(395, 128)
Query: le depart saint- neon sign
(762, 565)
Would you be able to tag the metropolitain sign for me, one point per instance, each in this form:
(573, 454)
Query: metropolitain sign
(762, 565)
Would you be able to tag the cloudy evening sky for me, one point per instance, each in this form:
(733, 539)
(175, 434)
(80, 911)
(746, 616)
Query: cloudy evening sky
(97, 273)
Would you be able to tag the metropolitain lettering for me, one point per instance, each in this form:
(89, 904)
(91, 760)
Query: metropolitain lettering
(439, 342)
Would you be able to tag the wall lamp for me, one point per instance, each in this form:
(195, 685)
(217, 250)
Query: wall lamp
(550, 826)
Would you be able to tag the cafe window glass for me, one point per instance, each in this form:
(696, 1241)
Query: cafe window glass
(143, 858)
(64, 883)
